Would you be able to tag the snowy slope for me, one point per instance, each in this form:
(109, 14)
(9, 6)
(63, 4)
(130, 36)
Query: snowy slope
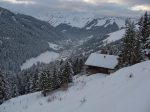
(96, 93)
(114, 36)
(45, 57)
(54, 46)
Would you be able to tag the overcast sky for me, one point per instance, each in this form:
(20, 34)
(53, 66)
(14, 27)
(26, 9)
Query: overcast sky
(99, 7)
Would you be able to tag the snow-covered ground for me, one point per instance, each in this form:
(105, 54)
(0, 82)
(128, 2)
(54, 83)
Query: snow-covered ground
(97, 93)
(114, 36)
(54, 46)
(45, 57)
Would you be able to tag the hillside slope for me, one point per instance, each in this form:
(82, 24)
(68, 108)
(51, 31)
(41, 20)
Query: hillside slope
(112, 37)
(23, 37)
(97, 93)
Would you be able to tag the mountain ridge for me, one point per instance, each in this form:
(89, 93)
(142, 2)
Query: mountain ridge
(23, 37)
(78, 25)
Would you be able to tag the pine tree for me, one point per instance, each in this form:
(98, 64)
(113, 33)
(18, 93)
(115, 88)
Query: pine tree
(14, 86)
(137, 49)
(76, 66)
(31, 84)
(45, 83)
(67, 73)
(144, 32)
(55, 79)
(8, 86)
(145, 28)
(81, 64)
(127, 54)
(36, 81)
(148, 39)
(2, 94)
(26, 84)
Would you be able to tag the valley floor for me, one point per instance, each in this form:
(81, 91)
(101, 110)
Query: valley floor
(96, 93)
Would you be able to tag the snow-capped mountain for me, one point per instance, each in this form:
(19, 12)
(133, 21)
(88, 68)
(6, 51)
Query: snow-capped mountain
(81, 25)
(82, 20)
(77, 20)
(106, 21)
(73, 19)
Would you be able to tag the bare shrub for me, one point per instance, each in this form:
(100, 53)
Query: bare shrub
(40, 103)
(83, 100)
(64, 87)
(52, 98)
(131, 75)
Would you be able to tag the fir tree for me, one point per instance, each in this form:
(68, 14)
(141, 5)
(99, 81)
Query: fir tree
(145, 28)
(144, 32)
(67, 73)
(76, 66)
(55, 79)
(36, 80)
(81, 64)
(47, 82)
(2, 94)
(127, 54)
(26, 84)
(31, 84)
(137, 49)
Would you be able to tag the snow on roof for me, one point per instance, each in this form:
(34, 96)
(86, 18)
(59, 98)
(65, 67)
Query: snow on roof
(102, 60)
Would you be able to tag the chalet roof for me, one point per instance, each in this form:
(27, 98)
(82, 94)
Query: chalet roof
(102, 60)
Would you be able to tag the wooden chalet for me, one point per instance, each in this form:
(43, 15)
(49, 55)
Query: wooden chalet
(101, 63)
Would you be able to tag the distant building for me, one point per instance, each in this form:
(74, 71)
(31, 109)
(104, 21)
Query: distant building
(101, 63)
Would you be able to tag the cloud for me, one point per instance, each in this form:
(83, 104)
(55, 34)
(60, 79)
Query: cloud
(97, 7)
(141, 8)
(19, 1)
(90, 1)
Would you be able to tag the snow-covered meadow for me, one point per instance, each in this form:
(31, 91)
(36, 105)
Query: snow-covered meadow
(45, 57)
(114, 36)
(126, 90)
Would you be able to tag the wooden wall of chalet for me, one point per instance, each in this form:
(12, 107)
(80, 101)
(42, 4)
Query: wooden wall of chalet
(93, 70)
